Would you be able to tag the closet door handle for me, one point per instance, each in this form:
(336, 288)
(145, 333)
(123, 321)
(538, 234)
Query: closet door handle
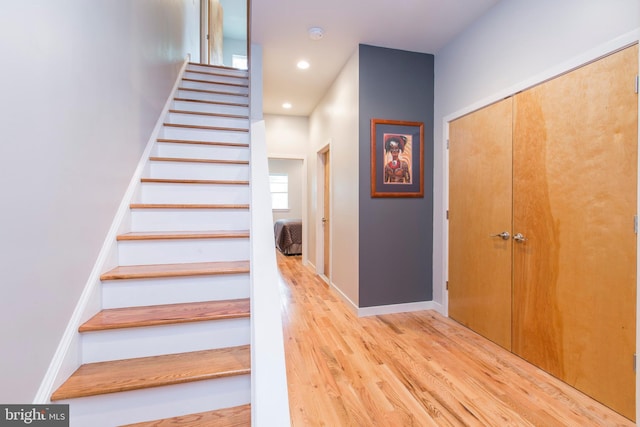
(504, 235)
(518, 237)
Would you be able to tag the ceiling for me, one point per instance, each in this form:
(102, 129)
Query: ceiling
(281, 28)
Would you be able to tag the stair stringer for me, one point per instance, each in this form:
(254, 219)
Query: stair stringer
(67, 356)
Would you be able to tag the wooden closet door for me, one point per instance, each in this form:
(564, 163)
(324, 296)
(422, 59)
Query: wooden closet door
(479, 208)
(575, 175)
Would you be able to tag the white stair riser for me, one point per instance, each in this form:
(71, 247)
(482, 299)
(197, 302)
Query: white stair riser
(160, 402)
(189, 170)
(223, 71)
(201, 120)
(214, 87)
(206, 135)
(189, 219)
(147, 252)
(118, 344)
(201, 151)
(170, 290)
(195, 193)
(216, 77)
(208, 96)
(205, 107)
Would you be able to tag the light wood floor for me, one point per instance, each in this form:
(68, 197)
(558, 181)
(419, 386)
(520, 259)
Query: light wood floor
(410, 369)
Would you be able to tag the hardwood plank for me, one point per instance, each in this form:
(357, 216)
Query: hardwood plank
(193, 181)
(186, 141)
(188, 160)
(416, 368)
(176, 270)
(132, 317)
(239, 416)
(177, 235)
(132, 374)
(186, 206)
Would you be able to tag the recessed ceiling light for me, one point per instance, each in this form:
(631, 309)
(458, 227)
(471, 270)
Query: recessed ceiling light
(286, 105)
(303, 65)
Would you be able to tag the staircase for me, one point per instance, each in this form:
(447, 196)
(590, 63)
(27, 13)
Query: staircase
(172, 341)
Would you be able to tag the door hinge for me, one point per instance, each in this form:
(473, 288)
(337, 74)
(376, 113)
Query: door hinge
(447, 213)
(637, 83)
(635, 362)
(635, 224)
(448, 139)
(447, 287)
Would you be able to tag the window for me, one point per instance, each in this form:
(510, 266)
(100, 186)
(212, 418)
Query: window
(279, 184)
(239, 61)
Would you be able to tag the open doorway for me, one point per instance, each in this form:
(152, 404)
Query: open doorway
(224, 33)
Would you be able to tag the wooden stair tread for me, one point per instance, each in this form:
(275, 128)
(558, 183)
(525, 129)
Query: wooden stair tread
(192, 160)
(202, 101)
(165, 314)
(201, 113)
(154, 371)
(193, 181)
(176, 270)
(188, 141)
(238, 416)
(186, 206)
(220, 128)
(174, 235)
(215, 92)
(243, 85)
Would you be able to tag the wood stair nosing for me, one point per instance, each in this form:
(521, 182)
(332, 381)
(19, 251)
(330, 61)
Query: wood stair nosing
(215, 74)
(193, 181)
(166, 314)
(194, 160)
(213, 92)
(242, 85)
(153, 271)
(218, 128)
(188, 206)
(182, 235)
(230, 104)
(238, 416)
(200, 113)
(154, 371)
(190, 141)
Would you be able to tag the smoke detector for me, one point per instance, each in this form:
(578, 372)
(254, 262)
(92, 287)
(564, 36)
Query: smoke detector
(316, 33)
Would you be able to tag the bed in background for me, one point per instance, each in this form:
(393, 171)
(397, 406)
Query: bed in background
(288, 234)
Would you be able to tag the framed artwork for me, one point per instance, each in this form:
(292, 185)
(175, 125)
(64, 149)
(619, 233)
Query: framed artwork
(397, 158)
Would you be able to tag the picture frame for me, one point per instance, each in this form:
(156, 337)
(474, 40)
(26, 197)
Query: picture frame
(397, 158)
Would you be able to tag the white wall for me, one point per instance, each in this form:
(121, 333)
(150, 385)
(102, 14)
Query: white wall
(516, 44)
(335, 120)
(83, 83)
(287, 136)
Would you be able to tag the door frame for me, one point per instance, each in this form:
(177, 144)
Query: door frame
(320, 212)
(440, 276)
(305, 216)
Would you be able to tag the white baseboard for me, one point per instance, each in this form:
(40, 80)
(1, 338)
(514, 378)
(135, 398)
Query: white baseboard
(387, 309)
(399, 308)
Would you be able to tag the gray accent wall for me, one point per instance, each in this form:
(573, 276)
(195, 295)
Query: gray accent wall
(395, 234)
